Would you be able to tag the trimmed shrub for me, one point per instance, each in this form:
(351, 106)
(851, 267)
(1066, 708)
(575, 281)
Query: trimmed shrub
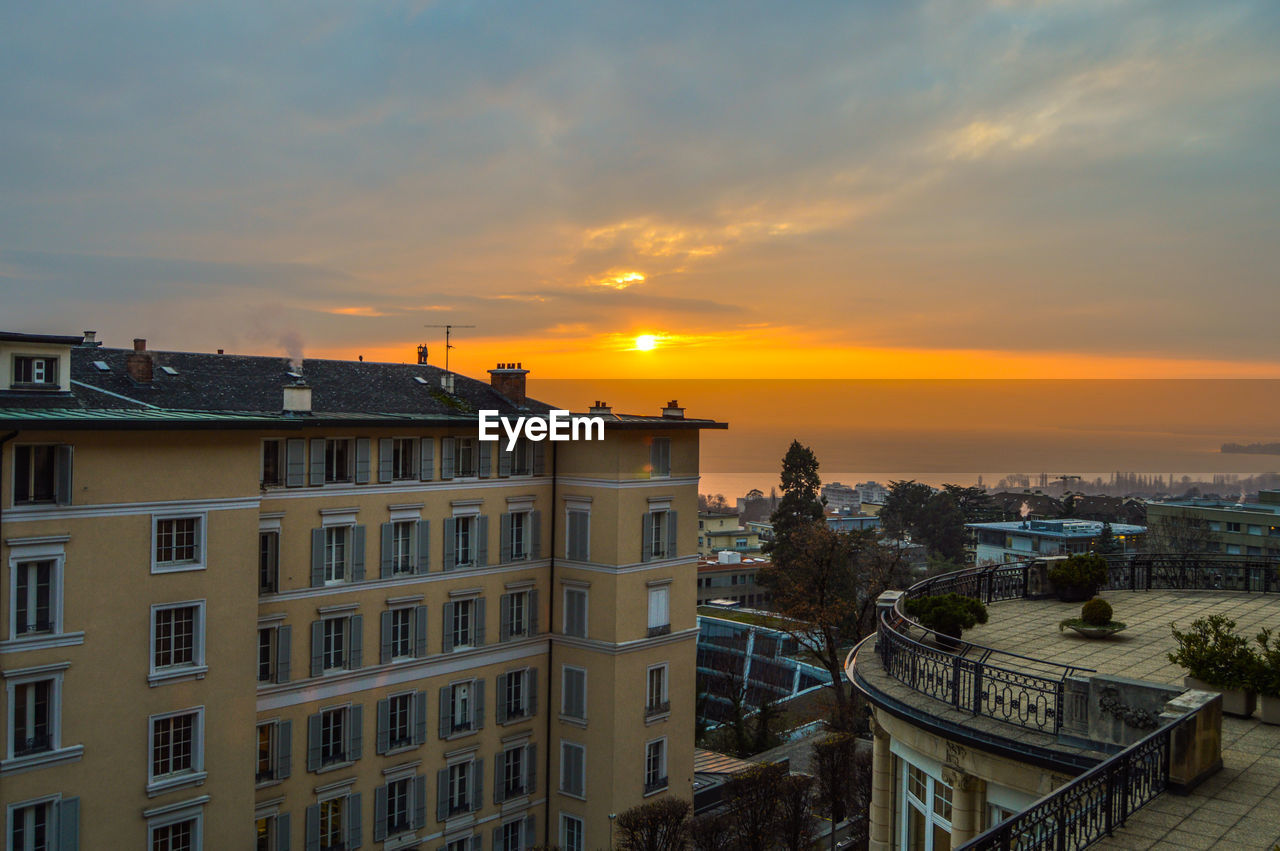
(1079, 576)
(948, 614)
(1096, 612)
(1211, 650)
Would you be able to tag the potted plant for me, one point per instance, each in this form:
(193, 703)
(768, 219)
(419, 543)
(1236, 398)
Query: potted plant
(1267, 678)
(1094, 621)
(1078, 577)
(948, 615)
(1217, 658)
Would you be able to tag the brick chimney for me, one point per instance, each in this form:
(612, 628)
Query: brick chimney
(600, 408)
(139, 363)
(297, 398)
(508, 379)
(673, 409)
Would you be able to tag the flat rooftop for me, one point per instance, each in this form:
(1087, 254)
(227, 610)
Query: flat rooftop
(1058, 528)
(1223, 505)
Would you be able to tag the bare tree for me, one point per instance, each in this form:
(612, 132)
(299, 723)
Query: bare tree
(661, 825)
(795, 828)
(712, 832)
(753, 799)
(1180, 532)
(843, 774)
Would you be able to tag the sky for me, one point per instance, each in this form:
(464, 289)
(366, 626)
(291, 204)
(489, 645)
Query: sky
(1084, 189)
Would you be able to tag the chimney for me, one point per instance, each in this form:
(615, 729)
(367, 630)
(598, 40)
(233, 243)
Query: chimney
(673, 409)
(601, 408)
(422, 354)
(91, 339)
(139, 363)
(297, 398)
(508, 379)
(446, 382)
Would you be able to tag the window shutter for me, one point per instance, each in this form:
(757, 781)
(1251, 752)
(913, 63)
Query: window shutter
(531, 692)
(446, 457)
(355, 733)
(357, 553)
(424, 546)
(450, 541)
(419, 813)
(482, 540)
(284, 649)
(497, 833)
(477, 843)
(380, 813)
(363, 447)
(479, 625)
(539, 458)
(317, 461)
(420, 718)
(384, 652)
(317, 558)
(446, 712)
(313, 827)
(386, 454)
(426, 459)
(317, 648)
(498, 792)
(62, 462)
(357, 642)
(313, 742)
(284, 749)
(532, 610)
(504, 538)
(646, 536)
(384, 730)
(385, 566)
(295, 470)
(477, 705)
(673, 542)
(504, 618)
(502, 700)
(442, 794)
(447, 621)
(354, 831)
(530, 769)
(504, 462)
(477, 785)
(535, 534)
(530, 827)
(655, 457)
(69, 824)
(420, 632)
(486, 458)
(283, 842)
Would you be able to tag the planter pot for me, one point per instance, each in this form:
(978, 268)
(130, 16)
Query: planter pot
(1094, 631)
(1236, 702)
(1269, 709)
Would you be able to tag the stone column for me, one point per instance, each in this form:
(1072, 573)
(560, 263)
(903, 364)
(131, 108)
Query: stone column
(880, 831)
(968, 802)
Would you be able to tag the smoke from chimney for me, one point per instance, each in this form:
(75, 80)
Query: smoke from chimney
(291, 342)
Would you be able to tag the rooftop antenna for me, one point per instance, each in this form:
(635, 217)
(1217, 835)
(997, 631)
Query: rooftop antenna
(447, 344)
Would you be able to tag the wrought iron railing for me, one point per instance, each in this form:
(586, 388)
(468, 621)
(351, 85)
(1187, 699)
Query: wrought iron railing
(1079, 813)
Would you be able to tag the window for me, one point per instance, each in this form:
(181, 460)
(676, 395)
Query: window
(402, 555)
(401, 633)
(573, 698)
(517, 694)
(659, 611)
(517, 536)
(273, 751)
(572, 837)
(34, 373)
(42, 474)
(177, 641)
(926, 814)
(181, 835)
(266, 654)
(578, 537)
(178, 544)
(458, 790)
(334, 737)
(332, 823)
(397, 809)
(519, 614)
(465, 458)
(335, 554)
(43, 825)
(655, 766)
(461, 708)
(36, 597)
(573, 762)
(177, 751)
(522, 458)
(466, 541)
(463, 624)
(268, 562)
(660, 457)
(575, 612)
(656, 701)
(659, 535)
(511, 779)
(272, 831)
(336, 644)
(273, 463)
(337, 460)
(511, 835)
(33, 727)
(1233, 527)
(404, 462)
(399, 722)
(334, 648)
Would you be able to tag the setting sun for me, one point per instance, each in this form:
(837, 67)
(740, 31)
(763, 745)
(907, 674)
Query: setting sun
(646, 342)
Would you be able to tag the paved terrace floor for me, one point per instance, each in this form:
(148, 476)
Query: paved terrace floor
(1239, 807)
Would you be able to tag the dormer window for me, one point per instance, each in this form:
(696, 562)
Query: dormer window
(34, 373)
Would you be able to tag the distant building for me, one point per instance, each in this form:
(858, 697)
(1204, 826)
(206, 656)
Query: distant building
(1218, 525)
(871, 492)
(731, 577)
(841, 497)
(719, 532)
(851, 522)
(1016, 539)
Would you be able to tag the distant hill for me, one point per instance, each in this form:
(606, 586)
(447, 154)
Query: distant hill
(1251, 448)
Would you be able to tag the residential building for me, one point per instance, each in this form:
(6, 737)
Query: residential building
(718, 532)
(1006, 541)
(299, 604)
(841, 498)
(734, 578)
(1219, 525)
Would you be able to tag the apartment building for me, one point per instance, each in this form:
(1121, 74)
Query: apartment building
(253, 603)
(1219, 525)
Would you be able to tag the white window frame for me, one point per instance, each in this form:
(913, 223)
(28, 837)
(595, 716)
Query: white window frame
(524, 597)
(51, 801)
(410, 552)
(468, 785)
(175, 673)
(661, 741)
(926, 808)
(566, 743)
(565, 818)
(564, 692)
(470, 601)
(351, 461)
(346, 642)
(663, 698)
(193, 777)
(176, 816)
(522, 711)
(348, 540)
(57, 752)
(201, 535)
(415, 462)
(343, 794)
(282, 448)
(663, 588)
(470, 702)
(274, 724)
(473, 445)
(24, 551)
(394, 746)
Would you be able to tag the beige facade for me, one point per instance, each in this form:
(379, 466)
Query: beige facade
(226, 655)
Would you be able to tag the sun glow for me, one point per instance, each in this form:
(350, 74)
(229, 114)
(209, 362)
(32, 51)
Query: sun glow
(646, 342)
